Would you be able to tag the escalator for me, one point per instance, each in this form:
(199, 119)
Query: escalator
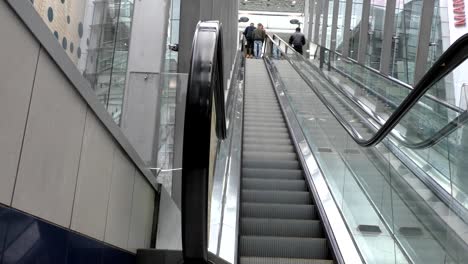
(285, 169)
(278, 220)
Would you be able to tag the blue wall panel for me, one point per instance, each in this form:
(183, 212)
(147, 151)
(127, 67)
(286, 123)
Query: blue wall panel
(25, 239)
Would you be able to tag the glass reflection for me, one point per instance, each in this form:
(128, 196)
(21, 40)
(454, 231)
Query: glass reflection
(95, 35)
(355, 28)
(376, 29)
(340, 26)
(405, 39)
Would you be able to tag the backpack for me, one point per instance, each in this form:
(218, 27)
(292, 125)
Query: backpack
(250, 33)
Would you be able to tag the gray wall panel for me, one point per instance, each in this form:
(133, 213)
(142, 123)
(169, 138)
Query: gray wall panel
(140, 118)
(50, 157)
(119, 209)
(94, 180)
(142, 212)
(18, 58)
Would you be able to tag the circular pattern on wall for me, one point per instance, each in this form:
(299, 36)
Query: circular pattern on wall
(63, 1)
(72, 47)
(68, 19)
(78, 52)
(50, 14)
(56, 34)
(64, 43)
(80, 30)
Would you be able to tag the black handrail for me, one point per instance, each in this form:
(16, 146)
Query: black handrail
(205, 84)
(456, 54)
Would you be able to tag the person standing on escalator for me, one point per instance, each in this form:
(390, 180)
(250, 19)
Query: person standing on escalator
(259, 36)
(297, 40)
(248, 33)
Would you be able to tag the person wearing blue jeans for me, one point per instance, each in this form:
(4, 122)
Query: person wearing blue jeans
(259, 35)
(258, 48)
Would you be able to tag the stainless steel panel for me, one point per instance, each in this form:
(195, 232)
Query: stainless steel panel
(225, 204)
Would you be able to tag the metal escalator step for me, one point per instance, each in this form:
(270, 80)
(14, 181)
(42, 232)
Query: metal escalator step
(264, 124)
(277, 136)
(273, 184)
(281, 197)
(283, 247)
(267, 112)
(272, 174)
(267, 148)
(258, 118)
(280, 211)
(281, 227)
(264, 120)
(284, 141)
(260, 260)
(273, 132)
(264, 128)
(287, 165)
(269, 156)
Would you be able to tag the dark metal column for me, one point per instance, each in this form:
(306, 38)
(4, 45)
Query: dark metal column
(364, 32)
(387, 40)
(347, 25)
(423, 39)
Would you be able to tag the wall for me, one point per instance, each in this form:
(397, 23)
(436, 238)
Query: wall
(459, 75)
(59, 162)
(140, 119)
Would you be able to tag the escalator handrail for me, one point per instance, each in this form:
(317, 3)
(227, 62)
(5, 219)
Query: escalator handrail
(205, 85)
(397, 82)
(456, 54)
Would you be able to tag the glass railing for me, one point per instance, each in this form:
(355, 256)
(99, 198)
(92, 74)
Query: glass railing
(434, 127)
(391, 214)
(173, 87)
(95, 35)
(386, 99)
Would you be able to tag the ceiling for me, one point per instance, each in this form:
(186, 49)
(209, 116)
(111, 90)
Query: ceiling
(294, 6)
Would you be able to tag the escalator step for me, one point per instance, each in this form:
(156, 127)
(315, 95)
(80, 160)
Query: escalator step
(281, 197)
(281, 211)
(272, 174)
(263, 129)
(264, 134)
(269, 156)
(273, 184)
(264, 125)
(283, 247)
(259, 260)
(288, 165)
(267, 148)
(278, 221)
(285, 141)
(281, 227)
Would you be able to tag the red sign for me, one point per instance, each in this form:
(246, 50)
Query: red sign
(459, 12)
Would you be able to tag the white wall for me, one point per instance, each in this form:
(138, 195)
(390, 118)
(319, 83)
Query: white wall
(459, 75)
(58, 160)
(272, 22)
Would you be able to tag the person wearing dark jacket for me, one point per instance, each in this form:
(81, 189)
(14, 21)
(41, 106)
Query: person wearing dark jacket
(259, 36)
(248, 33)
(297, 40)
